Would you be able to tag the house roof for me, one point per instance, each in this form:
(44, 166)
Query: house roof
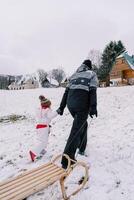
(27, 77)
(129, 59)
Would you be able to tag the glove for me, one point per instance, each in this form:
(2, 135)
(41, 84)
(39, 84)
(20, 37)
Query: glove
(93, 112)
(60, 111)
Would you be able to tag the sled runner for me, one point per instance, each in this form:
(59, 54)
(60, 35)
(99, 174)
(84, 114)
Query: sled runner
(32, 181)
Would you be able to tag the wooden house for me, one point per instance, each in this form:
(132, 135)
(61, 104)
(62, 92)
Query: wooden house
(122, 72)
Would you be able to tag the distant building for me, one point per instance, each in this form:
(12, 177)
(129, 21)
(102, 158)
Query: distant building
(6, 80)
(122, 72)
(26, 82)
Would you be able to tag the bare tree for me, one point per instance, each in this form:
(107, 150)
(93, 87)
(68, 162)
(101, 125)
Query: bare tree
(42, 76)
(58, 74)
(95, 57)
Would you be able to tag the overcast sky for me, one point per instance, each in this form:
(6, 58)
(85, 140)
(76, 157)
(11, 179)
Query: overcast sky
(60, 33)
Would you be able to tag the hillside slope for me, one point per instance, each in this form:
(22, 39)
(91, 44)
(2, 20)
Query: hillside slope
(110, 141)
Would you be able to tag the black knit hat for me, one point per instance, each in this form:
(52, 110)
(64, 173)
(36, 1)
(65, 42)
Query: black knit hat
(88, 63)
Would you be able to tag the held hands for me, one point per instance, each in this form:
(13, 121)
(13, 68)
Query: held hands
(60, 111)
(93, 112)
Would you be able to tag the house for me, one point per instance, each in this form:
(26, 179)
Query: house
(25, 82)
(6, 80)
(122, 72)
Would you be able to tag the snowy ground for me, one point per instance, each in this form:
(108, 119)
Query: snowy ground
(110, 141)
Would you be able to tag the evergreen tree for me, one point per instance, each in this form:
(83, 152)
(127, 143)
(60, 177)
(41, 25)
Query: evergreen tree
(111, 51)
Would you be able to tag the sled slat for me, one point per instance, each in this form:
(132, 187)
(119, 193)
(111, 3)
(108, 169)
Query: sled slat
(25, 173)
(28, 179)
(20, 179)
(34, 189)
(32, 183)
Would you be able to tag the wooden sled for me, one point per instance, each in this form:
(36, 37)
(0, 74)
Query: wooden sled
(32, 181)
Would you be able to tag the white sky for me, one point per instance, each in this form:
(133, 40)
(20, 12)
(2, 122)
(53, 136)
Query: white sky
(52, 33)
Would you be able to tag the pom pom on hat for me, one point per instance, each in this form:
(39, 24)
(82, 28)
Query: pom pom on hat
(41, 97)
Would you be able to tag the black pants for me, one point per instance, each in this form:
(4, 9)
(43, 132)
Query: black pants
(78, 135)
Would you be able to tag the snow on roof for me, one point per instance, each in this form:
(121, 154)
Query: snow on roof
(27, 77)
(129, 59)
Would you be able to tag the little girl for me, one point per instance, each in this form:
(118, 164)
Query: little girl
(44, 117)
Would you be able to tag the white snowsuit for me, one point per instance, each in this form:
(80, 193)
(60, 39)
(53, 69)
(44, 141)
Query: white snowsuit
(44, 117)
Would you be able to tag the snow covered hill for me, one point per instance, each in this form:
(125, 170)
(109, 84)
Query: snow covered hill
(110, 141)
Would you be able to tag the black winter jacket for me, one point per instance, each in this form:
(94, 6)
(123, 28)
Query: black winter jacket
(79, 99)
(81, 91)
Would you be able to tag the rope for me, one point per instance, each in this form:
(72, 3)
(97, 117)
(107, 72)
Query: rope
(83, 137)
(78, 132)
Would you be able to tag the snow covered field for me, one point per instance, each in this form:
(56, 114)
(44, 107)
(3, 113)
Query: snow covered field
(110, 141)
